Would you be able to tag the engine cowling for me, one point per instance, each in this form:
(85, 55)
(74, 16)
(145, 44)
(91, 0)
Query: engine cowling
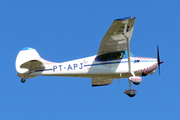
(136, 80)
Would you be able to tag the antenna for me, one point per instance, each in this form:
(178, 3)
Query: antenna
(83, 53)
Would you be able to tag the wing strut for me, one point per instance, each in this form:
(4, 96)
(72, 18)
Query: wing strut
(128, 51)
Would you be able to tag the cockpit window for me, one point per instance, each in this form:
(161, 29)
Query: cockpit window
(103, 57)
(114, 56)
(110, 56)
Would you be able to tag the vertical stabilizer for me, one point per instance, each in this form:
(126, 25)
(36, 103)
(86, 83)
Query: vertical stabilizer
(25, 55)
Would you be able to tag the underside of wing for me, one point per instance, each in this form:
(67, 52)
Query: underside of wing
(101, 81)
(33, 65)
(114, 40)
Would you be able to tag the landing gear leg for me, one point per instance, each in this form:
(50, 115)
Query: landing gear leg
(24, 77)
(130, 85)
(131, 92)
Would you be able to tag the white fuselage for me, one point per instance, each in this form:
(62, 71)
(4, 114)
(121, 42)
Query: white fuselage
(89, 67)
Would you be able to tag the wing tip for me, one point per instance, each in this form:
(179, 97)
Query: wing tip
(125, 18)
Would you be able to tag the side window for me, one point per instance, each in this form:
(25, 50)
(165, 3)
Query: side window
(103, 57)
(114, 56)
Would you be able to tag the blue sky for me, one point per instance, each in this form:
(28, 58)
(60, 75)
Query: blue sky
(60, 31)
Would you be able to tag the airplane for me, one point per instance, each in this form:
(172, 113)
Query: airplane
(113, 61)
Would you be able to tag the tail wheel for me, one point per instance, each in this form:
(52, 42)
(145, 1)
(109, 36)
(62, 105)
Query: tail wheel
(23, 80)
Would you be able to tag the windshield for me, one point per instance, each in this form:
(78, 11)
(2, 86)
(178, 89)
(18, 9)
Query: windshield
(126, 54)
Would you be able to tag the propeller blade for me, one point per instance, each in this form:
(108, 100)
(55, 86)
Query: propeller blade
(158, 54)
(159, 71)
(158, 59)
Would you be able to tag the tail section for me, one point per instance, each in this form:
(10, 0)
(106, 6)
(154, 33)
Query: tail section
(28, 60)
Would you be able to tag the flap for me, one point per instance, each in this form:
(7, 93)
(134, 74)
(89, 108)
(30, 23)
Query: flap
(101, 81)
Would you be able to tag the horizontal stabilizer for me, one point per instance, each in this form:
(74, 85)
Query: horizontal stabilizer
(33, 65)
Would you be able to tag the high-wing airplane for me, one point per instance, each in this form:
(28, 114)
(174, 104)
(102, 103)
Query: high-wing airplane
(113, 61)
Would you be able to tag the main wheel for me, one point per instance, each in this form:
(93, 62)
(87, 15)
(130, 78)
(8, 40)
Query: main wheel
(136, 83)
(23, 80)
(130, 93)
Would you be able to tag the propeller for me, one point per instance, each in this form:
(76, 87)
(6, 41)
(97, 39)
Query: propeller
(158, 59)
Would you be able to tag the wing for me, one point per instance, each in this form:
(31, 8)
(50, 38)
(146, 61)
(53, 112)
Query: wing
(115, 38)
(101, 81)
